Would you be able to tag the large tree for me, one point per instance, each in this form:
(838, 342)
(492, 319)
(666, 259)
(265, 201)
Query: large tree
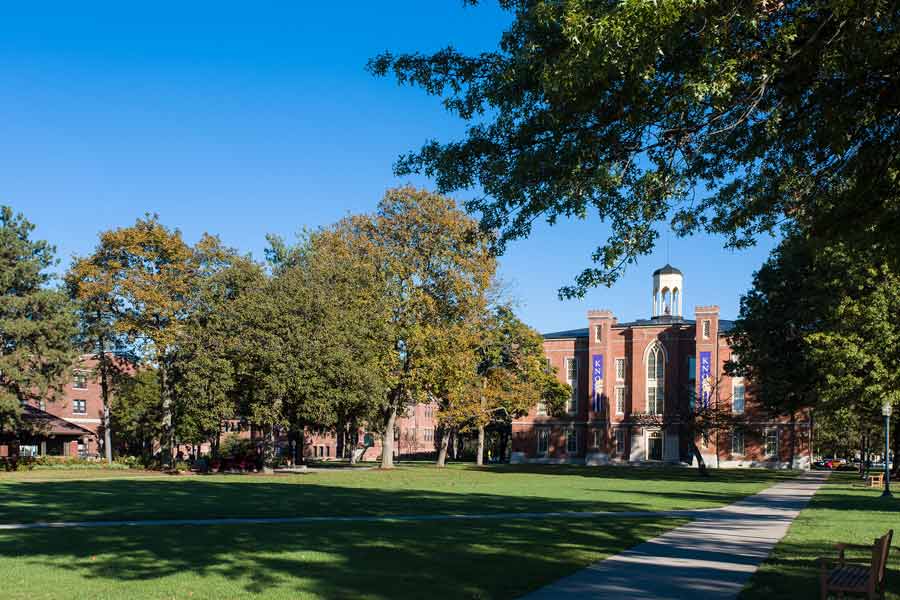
(728, 117)
(151, 273)
(434, 266)
(37, 323)
(818, 330)
(209, 391)
(508, 376)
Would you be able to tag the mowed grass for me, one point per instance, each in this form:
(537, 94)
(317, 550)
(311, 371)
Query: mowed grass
(441, 560)
(377, 560)
(841, 511)
(408, 490)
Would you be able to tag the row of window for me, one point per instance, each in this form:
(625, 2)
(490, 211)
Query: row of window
(771, 445)
(655, 384)
(654, 442)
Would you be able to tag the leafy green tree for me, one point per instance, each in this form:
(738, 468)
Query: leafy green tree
(819, 330)
(728, 117)
(137, 414)
(37, 323)
(150, 273)
(509, 377)
(97, 309)
(434, 266)
(209, 392)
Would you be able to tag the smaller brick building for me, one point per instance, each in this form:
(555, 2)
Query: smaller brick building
(637, 384)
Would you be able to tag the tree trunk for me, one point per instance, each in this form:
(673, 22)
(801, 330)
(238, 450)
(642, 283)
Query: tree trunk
(896, 464)
(504, 443)
(387, 440)
(165, 444)
(442, 448)
(793, 439)
(701, 464)
(479, 455)
(353, 440)
(104, 395)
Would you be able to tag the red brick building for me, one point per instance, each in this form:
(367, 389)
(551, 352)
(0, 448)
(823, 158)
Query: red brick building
(636, 385)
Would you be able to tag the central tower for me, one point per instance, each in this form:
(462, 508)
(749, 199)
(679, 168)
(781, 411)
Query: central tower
(668, 291)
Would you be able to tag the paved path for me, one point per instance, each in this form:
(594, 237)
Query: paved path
(709, 558)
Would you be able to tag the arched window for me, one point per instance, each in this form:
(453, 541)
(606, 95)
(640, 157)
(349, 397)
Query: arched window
(656, 379)
(676, 302)
(666, 301)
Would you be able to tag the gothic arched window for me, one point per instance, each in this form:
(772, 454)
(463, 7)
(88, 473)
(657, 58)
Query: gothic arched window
(656, 379)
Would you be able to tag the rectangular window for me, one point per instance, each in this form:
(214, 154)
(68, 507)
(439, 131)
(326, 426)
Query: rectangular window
(543, 441)
(737, 397)
(620, 400)
(706, 329)
(598, 438)
(79, 407)
(772, 443)
(620, 369)
(79, 380)
(572, 441)
(655, 400)
(620, 442)
(572, 380)
(598, 333)
(541, 408)
(737, 443)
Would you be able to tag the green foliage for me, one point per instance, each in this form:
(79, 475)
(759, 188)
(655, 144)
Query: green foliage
(137, 415)
(728, 117)
(37, 324)
(819, 330)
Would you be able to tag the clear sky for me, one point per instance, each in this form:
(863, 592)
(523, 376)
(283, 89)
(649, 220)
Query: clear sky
(242, 119)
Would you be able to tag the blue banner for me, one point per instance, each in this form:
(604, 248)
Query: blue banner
(705, 377)
(597, 378)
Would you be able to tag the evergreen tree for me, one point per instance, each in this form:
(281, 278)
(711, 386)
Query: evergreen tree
(37, 323)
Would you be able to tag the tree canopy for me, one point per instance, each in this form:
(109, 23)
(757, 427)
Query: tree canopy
(726, 117)
(37, 323)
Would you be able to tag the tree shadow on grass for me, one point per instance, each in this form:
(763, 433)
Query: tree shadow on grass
(347, 560)
(202, 498)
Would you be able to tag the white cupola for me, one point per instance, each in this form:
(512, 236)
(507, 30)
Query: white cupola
(668, 292)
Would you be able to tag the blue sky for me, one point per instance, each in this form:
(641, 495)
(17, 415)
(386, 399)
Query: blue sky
(242, 120)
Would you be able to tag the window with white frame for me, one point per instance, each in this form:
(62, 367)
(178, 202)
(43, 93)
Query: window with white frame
(598, 333)
(79, 407)
(620, 442)
(706, 329)
(656, 379)
(79, 380)
(772, 442)
(598, 438)
(572, 380)
(737, 396)
(572, 440)
(620, 369)
(543, 440)
(542, 408)
(737, 443)
(620, 400)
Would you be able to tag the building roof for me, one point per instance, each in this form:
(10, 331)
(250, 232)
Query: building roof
(725, 325)
(44, 423)
(667, 270)
(567, 334)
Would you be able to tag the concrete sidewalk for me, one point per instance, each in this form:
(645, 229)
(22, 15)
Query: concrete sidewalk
(709, 558)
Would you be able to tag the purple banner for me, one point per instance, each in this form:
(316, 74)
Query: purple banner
(705, 377)
(597, 378)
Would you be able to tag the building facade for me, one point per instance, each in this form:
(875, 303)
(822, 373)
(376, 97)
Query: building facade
(637, 387)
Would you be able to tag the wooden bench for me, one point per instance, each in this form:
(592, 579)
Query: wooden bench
(877, 480)
(849, 578)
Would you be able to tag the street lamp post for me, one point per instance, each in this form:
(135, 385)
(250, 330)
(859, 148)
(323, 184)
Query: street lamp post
(886, 411)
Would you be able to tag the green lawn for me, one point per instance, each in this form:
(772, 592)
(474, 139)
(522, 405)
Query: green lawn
(396, 560)
(842, 511)
(99, 495)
